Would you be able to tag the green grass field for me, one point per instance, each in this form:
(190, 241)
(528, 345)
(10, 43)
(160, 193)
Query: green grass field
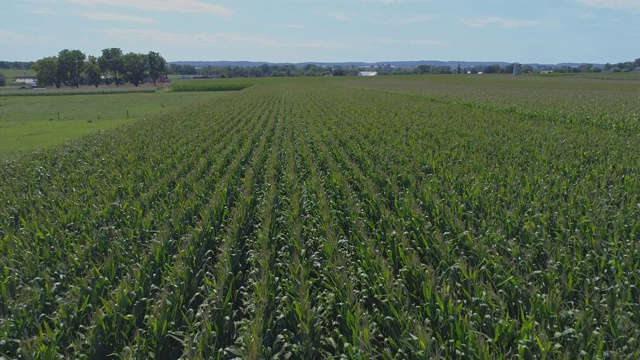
(32, 122)
(11, 75)
(418, 217)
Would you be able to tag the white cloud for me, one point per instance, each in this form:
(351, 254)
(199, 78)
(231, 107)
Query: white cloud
(15, 38)
(499, 22)
(178, 39)
(340, 16)
(117, 17)
(183, 6)
(43, 11)
(612, 4)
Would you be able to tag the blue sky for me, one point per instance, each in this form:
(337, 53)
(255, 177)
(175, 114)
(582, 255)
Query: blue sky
(544, 31)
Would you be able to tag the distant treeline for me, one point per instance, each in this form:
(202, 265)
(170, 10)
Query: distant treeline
(266, 70)
(16, 65)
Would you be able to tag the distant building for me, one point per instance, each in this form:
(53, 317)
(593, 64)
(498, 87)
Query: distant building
(27, 81)
(368, 73)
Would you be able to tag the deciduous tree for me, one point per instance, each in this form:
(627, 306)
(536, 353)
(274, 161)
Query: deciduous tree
(47, 71)
(111, 64)
(70, 65)
(135, 68)
(157, 66)
(92, 71)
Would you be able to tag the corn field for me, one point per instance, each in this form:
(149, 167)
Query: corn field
(355, 219)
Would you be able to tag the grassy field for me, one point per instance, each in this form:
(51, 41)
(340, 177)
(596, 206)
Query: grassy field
(485, 217)
(30, 122)
(11, 75)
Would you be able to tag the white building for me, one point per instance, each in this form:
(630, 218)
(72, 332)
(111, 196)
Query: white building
(368, 73)
(27, 81)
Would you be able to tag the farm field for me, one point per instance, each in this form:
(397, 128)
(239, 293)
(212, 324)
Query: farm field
(12, 74)
(383, 218)
(33, 119)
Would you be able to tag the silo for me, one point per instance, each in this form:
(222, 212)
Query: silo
(517, 69)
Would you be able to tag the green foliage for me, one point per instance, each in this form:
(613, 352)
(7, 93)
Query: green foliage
(16, 65)
(70, 66)
(157, 66)
(47, 71)
(111, 64)
(335, 218)
(3, 80)
(208, 85)
(92, 71)
(134, 68)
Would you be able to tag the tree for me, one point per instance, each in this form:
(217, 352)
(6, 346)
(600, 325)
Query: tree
(189, 70)
(134, 68)
(47, 71)
(255, 72)
(70, 64)
(266, 69)
(585, 68)
(203, 70)
(339, 72)
(459, 69)
(3, 80)
(492, 69)
(111, 64)
(423, 69)
(92, 71)
(310, 70)
(157, 66)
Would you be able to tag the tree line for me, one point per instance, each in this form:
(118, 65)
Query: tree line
(623, 66)
(74, 68)
(266, 70)
(16, 65)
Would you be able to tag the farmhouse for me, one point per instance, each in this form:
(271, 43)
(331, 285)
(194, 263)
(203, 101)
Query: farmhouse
(368, 73)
